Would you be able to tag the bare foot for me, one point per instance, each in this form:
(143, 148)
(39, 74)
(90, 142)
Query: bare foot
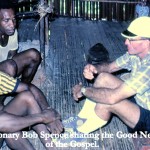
(53, 120)
(56, 127)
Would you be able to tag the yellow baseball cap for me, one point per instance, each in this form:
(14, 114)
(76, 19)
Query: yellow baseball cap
(139, 27)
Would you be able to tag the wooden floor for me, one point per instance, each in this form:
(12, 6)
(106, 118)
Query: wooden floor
(69, 43)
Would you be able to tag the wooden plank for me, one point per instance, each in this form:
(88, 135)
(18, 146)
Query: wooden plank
(68, 7)
(109, 12)
(57, 6)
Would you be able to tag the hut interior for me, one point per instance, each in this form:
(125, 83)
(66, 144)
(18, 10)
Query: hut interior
(64, 38)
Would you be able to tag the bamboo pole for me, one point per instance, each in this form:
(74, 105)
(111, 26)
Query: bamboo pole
(42, 39)
(46, 31)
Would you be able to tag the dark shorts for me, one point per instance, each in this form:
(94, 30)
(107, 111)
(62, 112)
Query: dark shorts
(144, 120)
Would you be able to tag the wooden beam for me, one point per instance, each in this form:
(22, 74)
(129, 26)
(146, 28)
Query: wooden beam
(109, 1)
(27, 14)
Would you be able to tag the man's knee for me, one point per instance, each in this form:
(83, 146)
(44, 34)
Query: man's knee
(101, 79)
(35, 55)
(26, 98)
(107, 80)
(104, 110)
(3, 125)
(9, 67)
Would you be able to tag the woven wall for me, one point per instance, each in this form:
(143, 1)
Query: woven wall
(88, 9)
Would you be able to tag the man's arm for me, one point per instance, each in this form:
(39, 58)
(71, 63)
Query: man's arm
(12, 123)
(13, 45)
(90, 70)
(108, 67)
(109, 96)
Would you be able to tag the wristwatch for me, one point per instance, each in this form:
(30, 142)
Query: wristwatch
(83, 90)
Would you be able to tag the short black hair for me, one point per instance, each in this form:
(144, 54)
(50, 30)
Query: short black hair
(97, 54)
(7, 4)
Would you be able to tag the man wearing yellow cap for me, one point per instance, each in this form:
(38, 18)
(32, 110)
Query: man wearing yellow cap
(127, 97)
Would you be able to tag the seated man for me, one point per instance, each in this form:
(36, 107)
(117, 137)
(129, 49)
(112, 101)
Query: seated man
(128, 97)
(24, 111)
(22, 64)
(142, 9)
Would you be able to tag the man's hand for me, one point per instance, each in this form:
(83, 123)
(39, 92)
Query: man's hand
(52, 121)
(89, 71)
(77, 91)
(50, 115)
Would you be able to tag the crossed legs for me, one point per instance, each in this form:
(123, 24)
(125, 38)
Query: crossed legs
(23, 104)
(26, 64)
(127, 111)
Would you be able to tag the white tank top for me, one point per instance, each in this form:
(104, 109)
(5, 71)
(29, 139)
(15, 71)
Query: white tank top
(12, 45)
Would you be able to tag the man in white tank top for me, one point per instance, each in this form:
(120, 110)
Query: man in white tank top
(30, 101)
